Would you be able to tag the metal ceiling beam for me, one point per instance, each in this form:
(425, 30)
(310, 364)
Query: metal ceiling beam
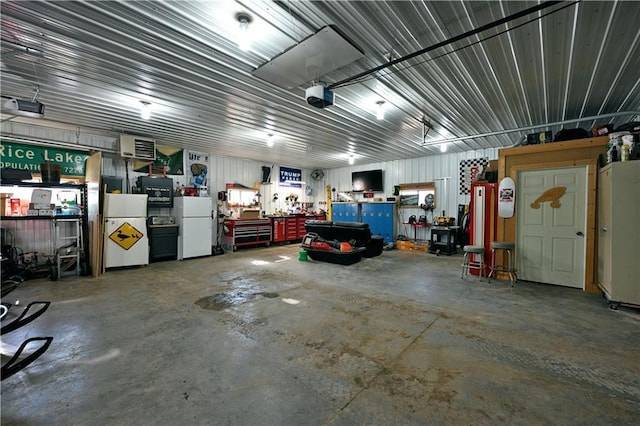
(519, 129)
(475, 31)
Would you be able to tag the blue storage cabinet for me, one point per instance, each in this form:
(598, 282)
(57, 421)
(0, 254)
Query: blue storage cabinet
(352, 213)
(345, 212)
(380, 217)
(337, 212)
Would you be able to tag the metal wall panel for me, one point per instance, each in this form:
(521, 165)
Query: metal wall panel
(94, 62)
(416, 170)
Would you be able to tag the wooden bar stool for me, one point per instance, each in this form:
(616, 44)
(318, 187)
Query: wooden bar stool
(469, 262)
(509, 252)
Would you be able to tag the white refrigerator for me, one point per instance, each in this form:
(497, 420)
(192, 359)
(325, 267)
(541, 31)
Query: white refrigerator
(194, 216)
(125, 230)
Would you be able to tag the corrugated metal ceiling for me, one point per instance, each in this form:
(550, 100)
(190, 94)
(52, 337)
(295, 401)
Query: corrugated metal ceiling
(95, 61)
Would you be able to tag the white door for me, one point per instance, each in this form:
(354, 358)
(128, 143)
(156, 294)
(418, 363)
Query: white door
(551, 225)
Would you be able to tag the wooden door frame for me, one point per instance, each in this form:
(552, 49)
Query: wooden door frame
(590, 282)
(554, 155)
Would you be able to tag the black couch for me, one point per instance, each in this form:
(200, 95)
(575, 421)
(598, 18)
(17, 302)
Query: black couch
(357, 234)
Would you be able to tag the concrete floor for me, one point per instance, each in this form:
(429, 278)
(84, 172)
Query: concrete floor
(396, 339)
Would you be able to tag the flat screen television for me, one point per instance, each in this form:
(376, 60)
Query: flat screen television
(369, 180)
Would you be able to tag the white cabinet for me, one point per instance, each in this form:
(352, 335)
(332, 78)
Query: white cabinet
(619, 232)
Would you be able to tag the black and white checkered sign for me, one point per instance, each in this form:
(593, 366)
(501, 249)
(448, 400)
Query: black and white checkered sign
(469, 171)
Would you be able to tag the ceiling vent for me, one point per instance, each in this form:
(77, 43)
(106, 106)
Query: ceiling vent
(23, 107)
(138, 147)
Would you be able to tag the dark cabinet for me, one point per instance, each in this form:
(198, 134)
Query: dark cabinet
(163, 242)
(443, 240)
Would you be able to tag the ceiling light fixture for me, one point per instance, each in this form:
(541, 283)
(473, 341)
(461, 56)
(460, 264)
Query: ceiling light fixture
(380, 110)
(145, 110)
(269, 140)
(351, 160)
(244, 35)
(443, 147)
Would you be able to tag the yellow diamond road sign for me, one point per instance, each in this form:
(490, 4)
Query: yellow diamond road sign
(126, 236)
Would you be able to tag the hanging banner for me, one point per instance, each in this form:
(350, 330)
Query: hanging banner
(29, 157)
(168, 159)
(198, 167)
(289, 177)
(469, 171)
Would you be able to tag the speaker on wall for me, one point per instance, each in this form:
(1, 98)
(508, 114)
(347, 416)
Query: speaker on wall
(266, 174)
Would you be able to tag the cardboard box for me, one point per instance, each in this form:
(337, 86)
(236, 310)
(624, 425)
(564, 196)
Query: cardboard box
(250, 214)
(5, 206)
(490, 172)
(15, 207)
(416, 246)
(492, 166)
(45, 212)
(41, 196)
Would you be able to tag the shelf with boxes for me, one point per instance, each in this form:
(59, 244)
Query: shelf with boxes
(41, 199)
(44, 222)
(242, 202)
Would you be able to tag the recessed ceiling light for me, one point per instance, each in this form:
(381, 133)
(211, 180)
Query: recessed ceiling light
(380, 110)
(145, 110)
(244, 35)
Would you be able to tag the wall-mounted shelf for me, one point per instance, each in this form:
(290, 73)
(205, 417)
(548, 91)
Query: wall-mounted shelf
(59, 236)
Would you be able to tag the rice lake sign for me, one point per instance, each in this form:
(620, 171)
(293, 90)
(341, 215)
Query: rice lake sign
(29, 157)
